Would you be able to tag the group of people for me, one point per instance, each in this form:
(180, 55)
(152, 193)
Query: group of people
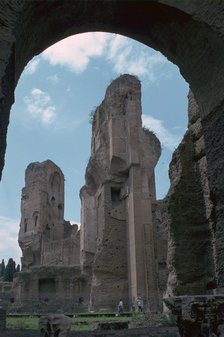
(139, 305)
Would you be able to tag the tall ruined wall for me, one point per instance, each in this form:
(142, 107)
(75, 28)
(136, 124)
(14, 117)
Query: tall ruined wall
(42, 210)
(51, 276)
(191, 251)
(117, 227)
(44, 237)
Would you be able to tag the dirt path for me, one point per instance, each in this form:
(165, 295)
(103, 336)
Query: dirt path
(139, 332)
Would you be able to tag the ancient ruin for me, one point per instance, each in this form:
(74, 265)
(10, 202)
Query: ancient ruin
(118, 201)
(191, 35)
(50, 276)
(118, 251)
(45, 237)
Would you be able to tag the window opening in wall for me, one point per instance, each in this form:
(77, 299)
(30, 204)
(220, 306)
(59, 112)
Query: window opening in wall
(25, 225)
(35, 220)
(47, 289)
(55, 182)
(115, 194)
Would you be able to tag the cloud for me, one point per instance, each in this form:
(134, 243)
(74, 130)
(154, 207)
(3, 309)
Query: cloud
(167, 138)
(32, 66)
(117, 45)
(76, 51)
(136, 59)
(8, 237)
(39, 105)
(125, 55)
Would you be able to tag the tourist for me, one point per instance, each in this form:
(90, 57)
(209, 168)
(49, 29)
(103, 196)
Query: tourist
(140, 304)
(120, 307)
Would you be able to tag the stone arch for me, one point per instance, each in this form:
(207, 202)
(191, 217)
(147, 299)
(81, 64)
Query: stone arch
(187, 33)
(181, 31)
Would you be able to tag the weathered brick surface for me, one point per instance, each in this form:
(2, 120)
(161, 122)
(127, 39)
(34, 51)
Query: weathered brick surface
(120, 184)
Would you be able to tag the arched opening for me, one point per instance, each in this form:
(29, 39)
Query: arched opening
(58, 149)
(35, 218)
(164, 77)
(158, 28)
(165, 28)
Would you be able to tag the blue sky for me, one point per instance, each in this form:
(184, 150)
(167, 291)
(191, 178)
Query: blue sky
(50, 118)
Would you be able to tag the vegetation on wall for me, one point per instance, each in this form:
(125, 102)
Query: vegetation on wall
(92, 116)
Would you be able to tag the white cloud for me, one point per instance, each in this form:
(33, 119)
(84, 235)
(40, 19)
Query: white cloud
(124, 54)
(117, 44)
(39, 105)
(9, 247)
(32, 67)
(167, 138)
(75, 51)
(127, 58)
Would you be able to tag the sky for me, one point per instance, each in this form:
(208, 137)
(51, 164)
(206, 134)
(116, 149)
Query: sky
(50, 117)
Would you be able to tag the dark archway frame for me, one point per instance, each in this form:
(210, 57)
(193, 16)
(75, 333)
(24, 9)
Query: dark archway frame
(189, 33)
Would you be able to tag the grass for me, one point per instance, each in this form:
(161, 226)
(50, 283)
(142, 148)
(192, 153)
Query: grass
(83, 322)
(22, 322)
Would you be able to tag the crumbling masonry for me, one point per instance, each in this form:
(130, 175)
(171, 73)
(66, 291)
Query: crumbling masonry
(191, 35)
(118, 201)
(115, 254)
(50, 276)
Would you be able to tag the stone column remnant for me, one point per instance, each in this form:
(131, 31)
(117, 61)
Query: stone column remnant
(54, 325)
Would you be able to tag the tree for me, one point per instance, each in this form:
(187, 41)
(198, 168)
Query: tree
(2, 268)
(10, 270)
(18, 268)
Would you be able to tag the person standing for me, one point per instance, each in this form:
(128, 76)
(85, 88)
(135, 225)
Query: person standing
(140, 304)
(120, 307)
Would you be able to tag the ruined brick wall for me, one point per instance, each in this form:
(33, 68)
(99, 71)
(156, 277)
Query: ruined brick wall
(51, 275)
(120, 185)
(49, 289)
(191, 251)
(65, 250)
(42, 210)
(45, 237)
